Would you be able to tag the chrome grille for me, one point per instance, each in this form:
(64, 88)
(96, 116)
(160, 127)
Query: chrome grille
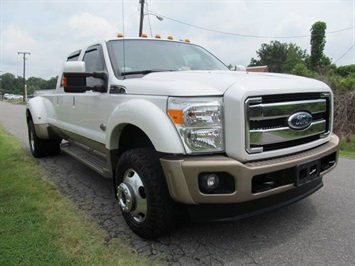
(282, 121)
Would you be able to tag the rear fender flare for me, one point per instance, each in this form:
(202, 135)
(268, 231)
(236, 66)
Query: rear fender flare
(37, 110)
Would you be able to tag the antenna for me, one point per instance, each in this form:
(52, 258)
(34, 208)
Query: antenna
(124, 42)
(141, 18)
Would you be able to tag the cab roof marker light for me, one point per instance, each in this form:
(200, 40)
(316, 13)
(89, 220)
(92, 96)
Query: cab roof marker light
(119, 35)
(144, 35)
(170, 37)
(187, 40)
(157, 36)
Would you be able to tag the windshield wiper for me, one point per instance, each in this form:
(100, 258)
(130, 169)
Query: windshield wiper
(145, 72)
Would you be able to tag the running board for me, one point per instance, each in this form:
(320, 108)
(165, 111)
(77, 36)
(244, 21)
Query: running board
(91, 158)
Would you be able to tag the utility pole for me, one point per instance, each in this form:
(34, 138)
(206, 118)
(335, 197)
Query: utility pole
(141, 18)
(24, 73)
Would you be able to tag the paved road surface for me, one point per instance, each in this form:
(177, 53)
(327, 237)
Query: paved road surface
(319, 230)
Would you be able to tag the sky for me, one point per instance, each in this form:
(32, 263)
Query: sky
(232, 30)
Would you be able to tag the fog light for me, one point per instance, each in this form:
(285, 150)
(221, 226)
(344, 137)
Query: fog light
(212, 181)
(216, 183)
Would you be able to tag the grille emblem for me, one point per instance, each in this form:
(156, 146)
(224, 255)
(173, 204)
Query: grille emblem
(300, 120)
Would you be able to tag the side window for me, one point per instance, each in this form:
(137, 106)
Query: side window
(74, 56)
(94, 62)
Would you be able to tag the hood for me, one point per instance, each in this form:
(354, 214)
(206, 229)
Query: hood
(214, 83)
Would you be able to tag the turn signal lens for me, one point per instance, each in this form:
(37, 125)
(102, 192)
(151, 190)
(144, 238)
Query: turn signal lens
(176, 116)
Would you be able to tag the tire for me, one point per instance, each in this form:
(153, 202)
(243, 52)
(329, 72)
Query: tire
(37, 145)
(41, 147)
(53, 147)
(143, 195)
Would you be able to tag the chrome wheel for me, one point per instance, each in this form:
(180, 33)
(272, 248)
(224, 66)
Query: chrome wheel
(32, 142)
(131, 196)
(142, 193)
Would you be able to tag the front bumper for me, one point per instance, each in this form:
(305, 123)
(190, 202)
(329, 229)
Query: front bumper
(182, 174)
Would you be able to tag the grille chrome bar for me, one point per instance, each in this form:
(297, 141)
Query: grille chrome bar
(276, 135)
(267, 126)
(279, 110)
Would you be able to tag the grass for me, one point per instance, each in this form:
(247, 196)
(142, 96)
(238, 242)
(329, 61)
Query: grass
(40, 227)
(347, 147)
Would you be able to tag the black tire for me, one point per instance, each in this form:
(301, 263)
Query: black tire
(53, 147)
(143, 194)
(42, 147)
(37, 146)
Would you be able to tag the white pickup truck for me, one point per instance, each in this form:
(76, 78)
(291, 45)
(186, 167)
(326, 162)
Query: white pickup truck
(176, 129)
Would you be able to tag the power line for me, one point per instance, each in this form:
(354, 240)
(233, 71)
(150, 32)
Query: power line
(245, 35)
(345, 53)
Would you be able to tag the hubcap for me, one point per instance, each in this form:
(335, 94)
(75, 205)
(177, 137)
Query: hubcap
(32, 142)
(131, 196)
(125, 198)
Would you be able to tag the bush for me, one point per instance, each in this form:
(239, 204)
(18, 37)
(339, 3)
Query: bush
(344, 113)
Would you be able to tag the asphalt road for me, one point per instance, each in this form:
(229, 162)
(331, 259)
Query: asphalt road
(319, 230)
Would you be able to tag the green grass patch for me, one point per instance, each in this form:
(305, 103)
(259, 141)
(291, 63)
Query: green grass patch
(40, 227)
(347, 147)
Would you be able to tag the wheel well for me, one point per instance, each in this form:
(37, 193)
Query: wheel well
(28, 115)
(133, 137)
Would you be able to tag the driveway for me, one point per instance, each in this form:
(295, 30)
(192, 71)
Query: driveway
(319, 230)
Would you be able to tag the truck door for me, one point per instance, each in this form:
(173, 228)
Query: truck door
(83, 115)
(90, 107)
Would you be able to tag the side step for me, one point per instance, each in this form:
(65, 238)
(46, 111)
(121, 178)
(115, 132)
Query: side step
(91, 158)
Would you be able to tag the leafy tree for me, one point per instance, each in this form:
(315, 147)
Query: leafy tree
(295, 55)
(35, 84)
(317, 43)
(11, 84)
(301, 69)
(51, 83)
(273, 55)
(279, 57)
(345, 70)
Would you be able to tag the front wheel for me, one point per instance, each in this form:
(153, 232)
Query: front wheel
(143, 195)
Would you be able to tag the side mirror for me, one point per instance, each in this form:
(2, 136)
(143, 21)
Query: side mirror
(75, 78)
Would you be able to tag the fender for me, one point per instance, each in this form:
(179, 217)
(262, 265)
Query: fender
(150, 119)
(40, 108)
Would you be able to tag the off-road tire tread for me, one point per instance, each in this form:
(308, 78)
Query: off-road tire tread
(162, 210)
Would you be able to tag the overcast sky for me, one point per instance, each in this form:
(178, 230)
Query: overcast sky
(52, 29)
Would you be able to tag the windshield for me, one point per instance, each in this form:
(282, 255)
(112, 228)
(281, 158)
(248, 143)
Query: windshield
(145, 56)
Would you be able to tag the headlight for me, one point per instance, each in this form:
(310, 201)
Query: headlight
(199, 122)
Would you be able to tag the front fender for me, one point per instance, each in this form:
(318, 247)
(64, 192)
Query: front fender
(150, 119)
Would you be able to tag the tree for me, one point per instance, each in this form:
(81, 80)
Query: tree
(11, 84)
(295, 55)
(317, 44)
(35, 84)
(273, 55)
(301, 69)
(279, 57)
(51, 83)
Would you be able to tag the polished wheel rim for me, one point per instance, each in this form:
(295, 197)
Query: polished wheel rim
(131, 196)
(32, 142)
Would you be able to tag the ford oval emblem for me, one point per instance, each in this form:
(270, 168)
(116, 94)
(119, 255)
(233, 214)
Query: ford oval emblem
(300, 120)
